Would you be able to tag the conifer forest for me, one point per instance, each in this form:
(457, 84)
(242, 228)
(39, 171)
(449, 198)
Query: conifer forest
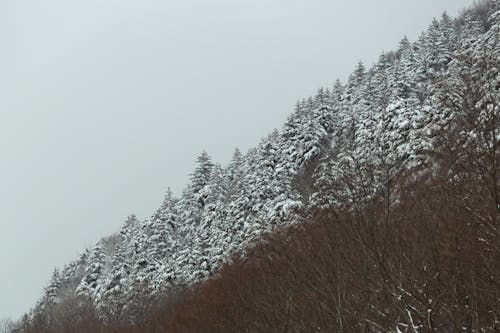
(374, 208)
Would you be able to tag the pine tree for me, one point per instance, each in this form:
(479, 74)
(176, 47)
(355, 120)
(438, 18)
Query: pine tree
(91, 284)
(236, 174)
(201, 174)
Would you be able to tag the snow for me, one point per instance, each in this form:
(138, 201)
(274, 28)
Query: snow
(338, 147)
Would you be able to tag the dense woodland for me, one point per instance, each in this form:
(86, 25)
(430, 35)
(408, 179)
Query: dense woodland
(375, 208)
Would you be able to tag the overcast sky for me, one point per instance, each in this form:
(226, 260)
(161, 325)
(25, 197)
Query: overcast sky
(104, 104)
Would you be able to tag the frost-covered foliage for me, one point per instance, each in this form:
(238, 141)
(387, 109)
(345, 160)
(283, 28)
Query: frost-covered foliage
(344, 146)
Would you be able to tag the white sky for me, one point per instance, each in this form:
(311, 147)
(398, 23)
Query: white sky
(104, 104)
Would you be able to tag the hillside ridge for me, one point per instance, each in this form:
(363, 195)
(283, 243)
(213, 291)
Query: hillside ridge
(342, 148)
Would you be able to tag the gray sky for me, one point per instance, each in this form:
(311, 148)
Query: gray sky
(104, 104)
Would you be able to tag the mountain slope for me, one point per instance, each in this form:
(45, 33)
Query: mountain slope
(339, 150)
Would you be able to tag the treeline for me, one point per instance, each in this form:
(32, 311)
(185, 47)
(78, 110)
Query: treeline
(343, 147)
(431, 266)
(427, 262)
(376, 208)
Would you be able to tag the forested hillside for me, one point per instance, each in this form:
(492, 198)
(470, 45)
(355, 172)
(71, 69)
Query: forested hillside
(375, 208)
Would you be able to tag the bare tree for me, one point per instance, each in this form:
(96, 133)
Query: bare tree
(6, 325)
